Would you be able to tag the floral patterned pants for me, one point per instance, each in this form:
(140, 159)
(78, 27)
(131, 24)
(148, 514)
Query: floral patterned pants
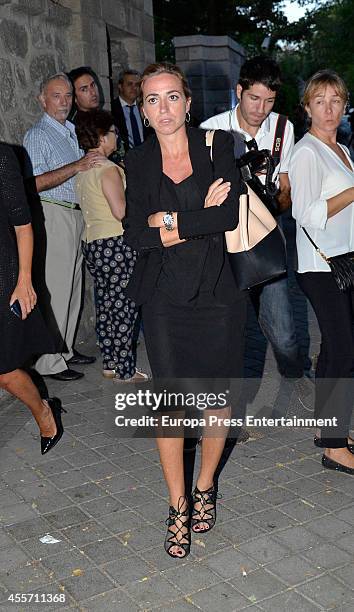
(111, 263)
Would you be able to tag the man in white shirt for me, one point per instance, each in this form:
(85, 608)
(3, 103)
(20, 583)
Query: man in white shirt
(253, 118)
(125, 111)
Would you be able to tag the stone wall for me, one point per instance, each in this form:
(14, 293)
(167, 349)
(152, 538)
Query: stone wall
(40, 37)
(32, 44)
(212, 65)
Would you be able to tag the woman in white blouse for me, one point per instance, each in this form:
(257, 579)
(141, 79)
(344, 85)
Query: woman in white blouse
(322, 185)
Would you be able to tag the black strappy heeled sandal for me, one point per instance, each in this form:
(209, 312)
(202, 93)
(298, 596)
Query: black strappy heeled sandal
(207, 512)
(175, 519)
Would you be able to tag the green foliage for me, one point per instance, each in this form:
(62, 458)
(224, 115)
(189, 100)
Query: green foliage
(246, 22)
(324, 38)
(332, 41)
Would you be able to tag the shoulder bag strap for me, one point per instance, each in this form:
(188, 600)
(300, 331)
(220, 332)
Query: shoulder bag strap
(315, 245)
(209, 138)
(279, 139)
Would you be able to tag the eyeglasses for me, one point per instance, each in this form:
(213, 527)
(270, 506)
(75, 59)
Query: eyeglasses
(114, 131)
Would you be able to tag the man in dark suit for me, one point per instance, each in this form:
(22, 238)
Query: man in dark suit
(125, 111)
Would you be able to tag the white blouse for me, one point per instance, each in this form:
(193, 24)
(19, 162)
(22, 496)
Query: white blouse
(316, 174)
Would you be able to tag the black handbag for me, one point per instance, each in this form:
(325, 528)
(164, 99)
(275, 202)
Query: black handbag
(256, 247)
(342, 266)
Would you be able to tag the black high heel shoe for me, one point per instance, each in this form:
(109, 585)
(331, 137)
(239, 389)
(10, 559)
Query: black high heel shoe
(184, 543)
(330, 464)
(319, 442)
(207, 512)
(48, 443)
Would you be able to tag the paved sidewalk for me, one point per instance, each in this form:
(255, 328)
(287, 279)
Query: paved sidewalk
(284, 538)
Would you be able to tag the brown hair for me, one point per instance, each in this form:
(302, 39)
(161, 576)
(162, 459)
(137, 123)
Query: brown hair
(163, 68)
(90, 126)
(322, 78)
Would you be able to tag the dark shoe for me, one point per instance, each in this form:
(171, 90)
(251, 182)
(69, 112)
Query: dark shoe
(318, 442)
(207, 511)
(48, 443)
(67, 375)
(333, 465)
(78, 359)
(321, 444)
(175, 519)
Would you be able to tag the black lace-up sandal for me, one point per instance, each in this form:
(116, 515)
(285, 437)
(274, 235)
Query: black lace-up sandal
(180, 537)
(207, 511)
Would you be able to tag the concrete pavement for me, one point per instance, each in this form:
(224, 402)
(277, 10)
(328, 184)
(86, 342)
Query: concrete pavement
(83, 527)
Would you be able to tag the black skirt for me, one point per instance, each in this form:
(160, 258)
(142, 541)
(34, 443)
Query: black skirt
(201, 339)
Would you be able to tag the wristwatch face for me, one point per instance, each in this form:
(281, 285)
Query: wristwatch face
(168, 221)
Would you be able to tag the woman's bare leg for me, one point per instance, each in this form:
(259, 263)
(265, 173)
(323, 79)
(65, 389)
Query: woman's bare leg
(213, 443)
(171, 457)
(19, 384)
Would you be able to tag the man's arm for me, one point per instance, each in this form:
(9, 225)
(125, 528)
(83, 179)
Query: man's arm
(51, 179)
(39, 160)
(284, 197)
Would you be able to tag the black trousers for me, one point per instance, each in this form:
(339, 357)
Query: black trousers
(334, 391)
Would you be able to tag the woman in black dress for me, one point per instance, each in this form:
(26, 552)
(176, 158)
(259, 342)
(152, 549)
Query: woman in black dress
(179, 205)
(22, 330)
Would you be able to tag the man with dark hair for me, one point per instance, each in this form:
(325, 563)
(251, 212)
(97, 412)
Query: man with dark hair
(255, 126)
(253, 120)
(86, 90)
(126, 112)
(260, 69)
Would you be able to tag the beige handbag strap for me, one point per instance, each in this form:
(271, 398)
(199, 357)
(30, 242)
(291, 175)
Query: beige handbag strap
(209, 138)
(255, 220)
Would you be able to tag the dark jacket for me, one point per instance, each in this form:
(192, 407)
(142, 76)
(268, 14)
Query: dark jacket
(119, 121)
(144, 175)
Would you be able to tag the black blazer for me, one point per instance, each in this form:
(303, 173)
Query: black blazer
(119, 121)
(144, 175)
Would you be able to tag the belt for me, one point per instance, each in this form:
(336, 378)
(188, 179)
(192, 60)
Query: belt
(64, 203)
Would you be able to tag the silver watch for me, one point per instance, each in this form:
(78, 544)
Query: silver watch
(168, 221)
